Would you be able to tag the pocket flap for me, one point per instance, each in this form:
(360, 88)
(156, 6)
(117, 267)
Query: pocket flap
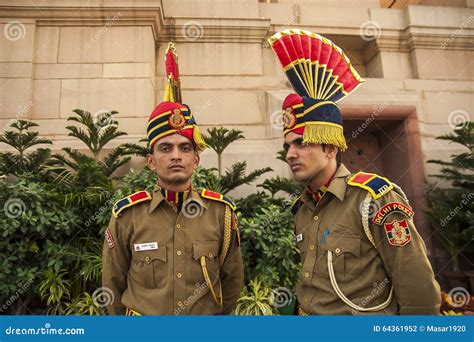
(156, 254)
(209, 249)
(340, 243)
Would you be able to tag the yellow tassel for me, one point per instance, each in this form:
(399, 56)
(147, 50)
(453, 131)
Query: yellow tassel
(324, 134)
(169, 92)
(198, 139)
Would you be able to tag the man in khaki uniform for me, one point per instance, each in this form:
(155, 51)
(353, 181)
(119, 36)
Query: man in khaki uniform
(360, 250)
(175, 251)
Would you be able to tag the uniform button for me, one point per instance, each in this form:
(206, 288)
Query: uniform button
(305, 300)
(316, 218)
(179, 275)
(178, 252)
(147, 259)
(311, 247)
(178, 226)
(337, 250)
(306, 275)
(210, 255)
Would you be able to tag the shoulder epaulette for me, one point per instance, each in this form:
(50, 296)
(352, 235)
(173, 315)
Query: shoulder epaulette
(217, 197)
(129, 201)
(376, 185)
(296, 205)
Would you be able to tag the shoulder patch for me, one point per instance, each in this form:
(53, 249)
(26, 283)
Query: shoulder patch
(376, 185)
(129, 201)
(296, 205)
(398, 233)
(217, 197)
(392, 207)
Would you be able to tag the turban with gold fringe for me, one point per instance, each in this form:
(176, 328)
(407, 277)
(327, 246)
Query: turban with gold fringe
(321, 74)
(171, 116)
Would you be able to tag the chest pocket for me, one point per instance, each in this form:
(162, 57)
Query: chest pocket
(345, 250)
(209, 250)
(151, 267)
(206, 267)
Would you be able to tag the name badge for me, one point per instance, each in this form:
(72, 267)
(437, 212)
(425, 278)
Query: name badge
(148, 246)
(299, 237)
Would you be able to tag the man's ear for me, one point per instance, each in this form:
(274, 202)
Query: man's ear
(197, 160)
(331, 151)
(150, 162)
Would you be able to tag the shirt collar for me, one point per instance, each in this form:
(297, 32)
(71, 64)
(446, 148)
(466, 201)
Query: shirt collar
(157, 198)
(337, 185)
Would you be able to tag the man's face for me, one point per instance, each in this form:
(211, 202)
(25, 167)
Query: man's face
(306, 160)
(174, 160)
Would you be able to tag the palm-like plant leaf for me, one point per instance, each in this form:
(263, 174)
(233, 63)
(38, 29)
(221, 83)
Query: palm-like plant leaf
(219, 138)
(236, 175)
(19, 162)
(275, 184)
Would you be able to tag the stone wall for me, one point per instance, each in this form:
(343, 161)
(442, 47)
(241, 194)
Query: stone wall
(98, 55)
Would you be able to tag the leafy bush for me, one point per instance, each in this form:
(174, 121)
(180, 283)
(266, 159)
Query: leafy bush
(35, 227)
(453, 208)
(269, 247)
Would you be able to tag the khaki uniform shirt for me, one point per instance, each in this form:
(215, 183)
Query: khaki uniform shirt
(169, 280)
(364, 274)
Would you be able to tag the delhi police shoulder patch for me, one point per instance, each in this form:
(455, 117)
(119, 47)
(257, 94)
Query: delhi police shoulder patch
(398, 233)
(129, 201)
(217, 197)
(376, 185)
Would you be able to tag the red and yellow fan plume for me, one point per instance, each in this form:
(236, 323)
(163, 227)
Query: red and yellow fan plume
(314, 65)
(173, 87)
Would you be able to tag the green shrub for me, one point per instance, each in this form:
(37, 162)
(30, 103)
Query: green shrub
(269, 247)
(34, 225)
(452, 209)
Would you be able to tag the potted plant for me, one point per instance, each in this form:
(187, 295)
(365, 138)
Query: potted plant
(255, 300)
